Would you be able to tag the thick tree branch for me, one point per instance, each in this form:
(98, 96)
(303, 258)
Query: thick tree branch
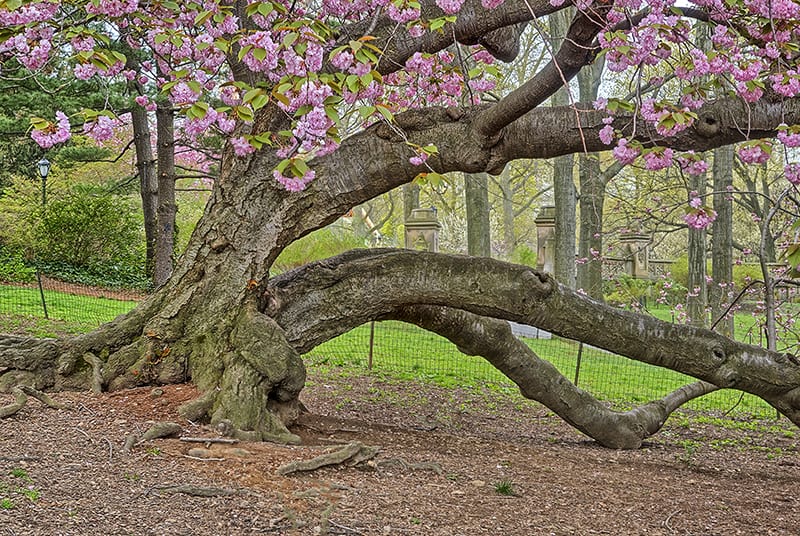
(541, 381)
(576, 52)
(356, 287)
(497, 29)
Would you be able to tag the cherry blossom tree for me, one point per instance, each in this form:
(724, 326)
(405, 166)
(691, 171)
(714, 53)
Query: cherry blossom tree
(327, 104)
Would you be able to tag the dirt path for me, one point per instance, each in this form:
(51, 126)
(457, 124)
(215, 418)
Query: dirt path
(444, 456)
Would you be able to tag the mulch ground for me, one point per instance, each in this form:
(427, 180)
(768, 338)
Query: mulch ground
(445, 456)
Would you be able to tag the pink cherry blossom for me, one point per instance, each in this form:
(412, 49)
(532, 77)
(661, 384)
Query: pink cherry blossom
(53, 134)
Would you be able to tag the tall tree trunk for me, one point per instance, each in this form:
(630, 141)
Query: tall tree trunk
(697, 298)
(148, 184)
(590, 242)
(476, 197)
(165, 239)
(507, 191)
(722, 239)
(564, 194)
(592, 199)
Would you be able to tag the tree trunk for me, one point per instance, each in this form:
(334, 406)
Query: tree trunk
(722, 240)
(476, 198)
(592, 198)
(697, 298)
(221, 322)
(564, 195)
(165, 239)
(148, 184)
(590, 242)
(507, 191)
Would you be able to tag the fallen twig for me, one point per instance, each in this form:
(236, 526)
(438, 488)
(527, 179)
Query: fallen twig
(344, 528)
(110, 449)
(19, 459)
(226, 440)
(666, 524)
(199, 459)
(86, 435)
(197, 491)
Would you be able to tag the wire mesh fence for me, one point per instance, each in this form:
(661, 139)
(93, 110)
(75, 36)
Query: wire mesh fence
(392, 347)
(404, 349)
(64, 307)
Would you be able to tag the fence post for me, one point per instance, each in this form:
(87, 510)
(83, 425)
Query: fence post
(578, 363)
(371, 343)
(41, 291)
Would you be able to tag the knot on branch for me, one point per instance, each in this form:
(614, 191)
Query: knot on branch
(708, 126)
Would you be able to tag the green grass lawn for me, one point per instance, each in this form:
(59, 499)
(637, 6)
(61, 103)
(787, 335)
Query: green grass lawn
(411, 352)
(21, 311)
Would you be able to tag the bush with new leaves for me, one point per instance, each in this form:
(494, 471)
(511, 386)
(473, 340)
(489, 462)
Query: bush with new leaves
(83, 234)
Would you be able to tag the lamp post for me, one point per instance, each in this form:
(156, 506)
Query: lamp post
(44, 170)
(43, 166)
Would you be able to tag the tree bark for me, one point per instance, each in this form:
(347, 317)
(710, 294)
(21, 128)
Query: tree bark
(148, 184)
(564, 195)
(722, 240)
(507, 191)
(378, 283)
(590, 242)
(476, 200)
(592, 199)
(220, 322)
(165, 238)
(697, 298)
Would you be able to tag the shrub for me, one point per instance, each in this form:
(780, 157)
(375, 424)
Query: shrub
(524, 255)
(318, 245)
(83, 235)
(742, 273)
(13, 268)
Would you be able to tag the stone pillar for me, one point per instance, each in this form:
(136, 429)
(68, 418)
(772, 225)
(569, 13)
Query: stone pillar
(422, 230)
(635, 250)
(545, 238)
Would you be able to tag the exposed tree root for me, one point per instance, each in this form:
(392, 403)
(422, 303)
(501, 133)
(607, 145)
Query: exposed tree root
(351, 454)
(21, 394)
(161, 429)
(130, 442)
(97, 371)
(44, 398)
(20, 399)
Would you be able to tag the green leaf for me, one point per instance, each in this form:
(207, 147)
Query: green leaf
(202, 17)
(244, 113)
(289, 39)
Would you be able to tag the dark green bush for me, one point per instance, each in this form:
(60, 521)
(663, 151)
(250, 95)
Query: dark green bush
(85, 228)
(13, 268)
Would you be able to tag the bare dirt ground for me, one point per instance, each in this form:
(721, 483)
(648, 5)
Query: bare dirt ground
(446, 455)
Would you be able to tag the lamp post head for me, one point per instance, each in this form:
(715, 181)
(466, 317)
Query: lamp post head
(44, 167)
